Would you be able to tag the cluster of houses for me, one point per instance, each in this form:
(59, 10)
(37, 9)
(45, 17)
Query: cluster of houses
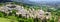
(26, 13)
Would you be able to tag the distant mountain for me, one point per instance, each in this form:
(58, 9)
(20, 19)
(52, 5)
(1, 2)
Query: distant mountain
(36, 2)
(3, 1)
(44, 2)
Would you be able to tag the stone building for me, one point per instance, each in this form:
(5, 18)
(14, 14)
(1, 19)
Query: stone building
(48, 15)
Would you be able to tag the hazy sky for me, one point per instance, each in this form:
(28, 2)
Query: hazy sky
(38, 0)
(43, 0)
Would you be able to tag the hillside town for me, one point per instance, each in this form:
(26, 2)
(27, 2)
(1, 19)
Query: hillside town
(8, 7)
(17, 10)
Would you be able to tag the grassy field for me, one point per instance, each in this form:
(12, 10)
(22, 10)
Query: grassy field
(4, 20)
